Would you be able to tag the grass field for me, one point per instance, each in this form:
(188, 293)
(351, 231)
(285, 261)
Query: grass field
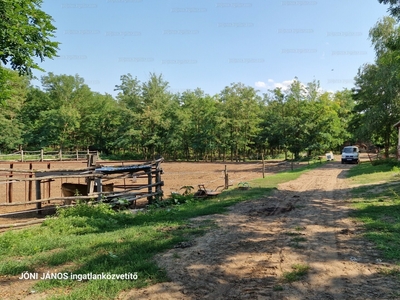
(96, 240)
(377, 203)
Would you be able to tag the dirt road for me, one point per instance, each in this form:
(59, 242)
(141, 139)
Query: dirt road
(306, 223)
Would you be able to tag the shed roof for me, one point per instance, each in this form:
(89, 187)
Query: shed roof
(397, 124)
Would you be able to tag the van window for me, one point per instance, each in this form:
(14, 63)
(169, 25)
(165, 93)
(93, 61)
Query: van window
(350, 150)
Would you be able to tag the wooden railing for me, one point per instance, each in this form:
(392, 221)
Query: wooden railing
(41, 155)
(146, 183)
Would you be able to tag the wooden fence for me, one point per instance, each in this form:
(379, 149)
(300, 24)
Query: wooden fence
(43, 188)
(41, 155)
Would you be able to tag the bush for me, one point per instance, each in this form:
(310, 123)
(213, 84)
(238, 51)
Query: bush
(84, 219)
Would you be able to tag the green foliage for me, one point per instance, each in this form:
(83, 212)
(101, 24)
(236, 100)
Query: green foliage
(26, 32)
(84, 219)
(299, 271)
(377, 88)
(394, 7)
(187, 189)
(146, 120)
(12, 96)
(391, 162)
(305, 119)
(240, 111)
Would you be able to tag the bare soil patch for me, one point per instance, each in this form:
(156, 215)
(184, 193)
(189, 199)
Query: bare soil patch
(305, 222)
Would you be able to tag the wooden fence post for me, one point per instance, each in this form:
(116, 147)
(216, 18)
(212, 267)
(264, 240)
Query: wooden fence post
(90, 186)
(48, 183)
(226, 185)
(60, 154)
(291, 164)
(263, 164)
(77, 154)
(10, 186)
(158, 181)
(99, 188)
(22, 155)
(149, 182)
(30, 183)
(38, 197)
(41, 154)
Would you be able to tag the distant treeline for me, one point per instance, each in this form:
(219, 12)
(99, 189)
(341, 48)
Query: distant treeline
(147, 119)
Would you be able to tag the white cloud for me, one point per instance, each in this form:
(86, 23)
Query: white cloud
(271, 84)
(260, 84)
(284, 85)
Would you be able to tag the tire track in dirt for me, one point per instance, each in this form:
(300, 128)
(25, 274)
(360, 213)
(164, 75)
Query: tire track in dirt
(304, 222)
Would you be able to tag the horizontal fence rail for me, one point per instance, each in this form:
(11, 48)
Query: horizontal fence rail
(46, 188)
(41, 155)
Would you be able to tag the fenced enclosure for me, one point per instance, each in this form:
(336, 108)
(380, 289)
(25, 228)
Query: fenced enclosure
(35, 190)
(41, 155)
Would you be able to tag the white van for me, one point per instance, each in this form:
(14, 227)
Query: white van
(350, 154)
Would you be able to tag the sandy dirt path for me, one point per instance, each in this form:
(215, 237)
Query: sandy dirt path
(304, 222)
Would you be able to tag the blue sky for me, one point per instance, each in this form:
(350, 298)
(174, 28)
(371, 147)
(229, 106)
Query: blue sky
(213, 43)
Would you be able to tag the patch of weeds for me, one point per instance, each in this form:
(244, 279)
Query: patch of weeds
(187, 190)
(289, 233)
(299, 228)
(395, 272)
(299, 271)
(277, 288)
(295, 242)
(176, 255)
(298, 239)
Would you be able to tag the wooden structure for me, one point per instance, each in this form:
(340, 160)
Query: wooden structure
(102, 183)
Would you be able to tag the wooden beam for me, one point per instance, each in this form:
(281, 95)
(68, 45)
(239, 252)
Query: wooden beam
(38, 196)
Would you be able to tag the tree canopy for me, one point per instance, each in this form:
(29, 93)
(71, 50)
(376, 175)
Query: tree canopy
(146, 119)
(377, 88)
(26, 32)
(394, 7)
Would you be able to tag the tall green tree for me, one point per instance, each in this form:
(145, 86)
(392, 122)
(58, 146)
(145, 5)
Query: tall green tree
(377, 87)
(131, 106)
(155, 127)
(377, 102)
(11, 133)
(200, 119)
(273, 126)
(240, 108)
(66, 114)
(26, 32)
